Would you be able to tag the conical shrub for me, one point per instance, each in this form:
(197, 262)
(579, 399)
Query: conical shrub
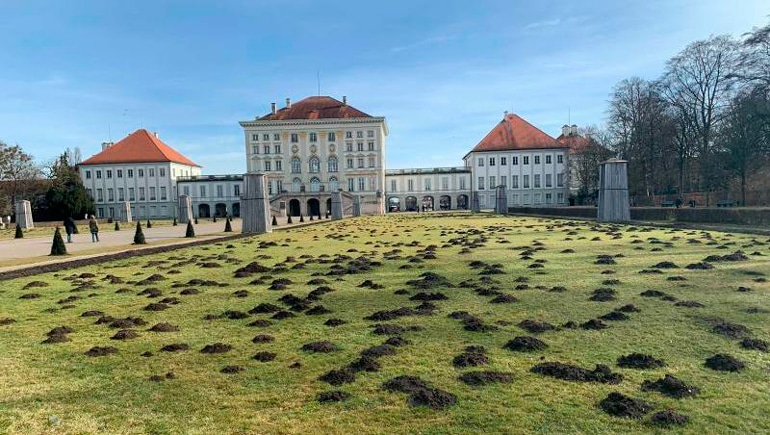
(174, 223)
(288, 221)
(19, 232)
(275, 221)
(117, 226)
(190, 233)
(139, 235)
(149, 224)
(196, 221)
(228, 227)
(214, 219)
(301, 218)
(58, 247)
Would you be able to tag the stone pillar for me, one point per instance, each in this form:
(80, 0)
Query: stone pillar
(185, 209)
(125, 214)
(336, 205)
(24, 214)
(501, 200)
(475, 207)
(356, 206)
(613, 204)
(380, 203)
(255, 205)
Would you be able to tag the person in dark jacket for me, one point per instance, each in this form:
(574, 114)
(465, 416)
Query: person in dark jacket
(94, 227)
(69, 227)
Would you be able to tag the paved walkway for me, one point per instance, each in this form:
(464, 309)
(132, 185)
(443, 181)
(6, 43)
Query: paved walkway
(26, 252)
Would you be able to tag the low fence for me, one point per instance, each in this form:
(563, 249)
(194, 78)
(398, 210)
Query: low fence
(710, 215)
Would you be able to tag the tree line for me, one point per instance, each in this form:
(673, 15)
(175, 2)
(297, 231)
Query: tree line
(700, 129)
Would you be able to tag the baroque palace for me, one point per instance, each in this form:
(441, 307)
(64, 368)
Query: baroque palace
(319, 145)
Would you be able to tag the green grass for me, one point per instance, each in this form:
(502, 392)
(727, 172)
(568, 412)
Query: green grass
(46, 229)
(112, 394)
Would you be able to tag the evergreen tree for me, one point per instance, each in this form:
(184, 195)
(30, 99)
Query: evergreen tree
(228, 227)
(190, 233)
(288, 221)
(19, 232)
(139, 235)
(149, 224)
(275, 221)
(301, 218)
(66, 195)
(117, 226)
(58, 247)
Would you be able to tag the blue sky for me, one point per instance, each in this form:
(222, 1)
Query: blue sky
(77, 72)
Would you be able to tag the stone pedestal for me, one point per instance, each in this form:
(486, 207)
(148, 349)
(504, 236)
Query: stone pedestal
(185, 209)
(613, 203)
(475, 207)
(255, 205)
(336, 205)
(380, 203)
(24, 214)
(125, 213)
(356, 206)
(501, 200)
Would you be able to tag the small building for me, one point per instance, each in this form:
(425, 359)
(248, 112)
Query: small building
(212, 195)
(314, 147)
(428, 189)
(139, 169)
(528, 162)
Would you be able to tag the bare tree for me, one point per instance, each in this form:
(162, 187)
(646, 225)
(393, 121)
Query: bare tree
(17, 172)
(754, 59)
(698, 84)
(585, 157)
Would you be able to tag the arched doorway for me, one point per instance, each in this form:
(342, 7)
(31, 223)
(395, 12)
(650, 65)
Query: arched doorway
(204, 211)
(427, 203)
(462, 202)
(445, 202)
(313, 207)
(236, 209)
(220, 210)
(394, 204)
(328, 206)
(294, 207)
(410, 204)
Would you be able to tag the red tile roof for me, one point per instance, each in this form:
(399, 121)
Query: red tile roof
(140, 146)
(575, 142)
(321, 107)
(514, 133)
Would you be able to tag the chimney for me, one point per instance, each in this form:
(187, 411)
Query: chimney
(344, 100)
(272, 108)
(565, 130)
(156, 135)
(288, 103)
(573, 130)
(106, 145)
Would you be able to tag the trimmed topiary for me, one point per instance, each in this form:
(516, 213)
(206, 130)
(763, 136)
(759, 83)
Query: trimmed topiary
(117, 226)
(288, 221)
(174, 223)
(275, 222)
(190, 233)
(139, 235)
(19, 232)
(228, 227)
(214, 219)
(58, 247)
(301, 218)
(196, 221)
(149, 224)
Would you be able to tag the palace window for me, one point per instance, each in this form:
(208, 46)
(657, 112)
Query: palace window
(266, 137)
(481, 183)
(315, 184)
(279, 165)
(163, 194)
(162, 172)
(503, 161)
(120, 173)
(141, 194)
(371, 145)
(560, 159)
(481, 161)
(349, 147)
(331, 136)
(548, 160)
(360, 146)
(332, 163)
(537, 181)
(370, 133)
(537, 160)
(130, 173)
(314, 164)
(526, 182)
(296, 165)
(350, 163)
(88, 175)
(348, 135)
(109, 173)
(334, 184)
(110, 195)
(267, 149)
(277, 148)
(359, 134)
(560, 179)
(313, 137)
(515, 160)
(294, 138)
(548, 180)
(276, 136)
(268, 167)
(515, 181)
(491, 163)
(526, 160)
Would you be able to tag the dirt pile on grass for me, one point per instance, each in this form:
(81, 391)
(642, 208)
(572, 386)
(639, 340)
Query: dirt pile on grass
(754, 344)
(320, 347)
(216, 348)
(525, 344)
(164, 327)
(333, 396)
(264, 356)
(125, 334)
(725, 363)
(619, 405)
(670, 386)
(639, 361)
(338, 377)
(421, 393)
(101, 351)
(568, 372)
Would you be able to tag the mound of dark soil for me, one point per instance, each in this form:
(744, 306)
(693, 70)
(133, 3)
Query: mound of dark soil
(389, 329)
(430, 280)
(735, 256)
(433, 398)
(260, 323)
(234, 315)
(639, 361)
(156, 307)
(56, 338)
(30, 296)
(689, 304)
(379, 351)
(334, 322)
(318, 310)
(60, 330)
(174, 347)
(264, 356)
(216, 348)
(594, 324)
(7, 321)
(127, 323)
(470, 359)
(534, 326)
(652, 294)
(264, 308)
(699, 266)
(558, 289)
(405, 384)
(754, 344)
(730, 330)
(569, 372)
(725, 363)
(320, 347)
(423, 296)
(241, 293)
(262, 338)
(623, 406)
(101, 350)
(670, 386)
(630, 308)
(665, 265)
(34, 284)
(614, 316)
(525, 344)
(504, 299)
(92, 313)
(189, 291)
(339, 377)
(150, 293)
(283, 315)
(669, 418)
(333, 396)
(164, 327)
(481, 378)
(365, 364)
(603, 294)
(125, 334)
(397, 341)
(232, 369)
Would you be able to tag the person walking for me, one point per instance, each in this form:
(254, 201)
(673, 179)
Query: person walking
(94, 227)
(69, 227)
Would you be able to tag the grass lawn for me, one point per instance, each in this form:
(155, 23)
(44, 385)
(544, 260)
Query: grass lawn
(542, 270)
(47, 231)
